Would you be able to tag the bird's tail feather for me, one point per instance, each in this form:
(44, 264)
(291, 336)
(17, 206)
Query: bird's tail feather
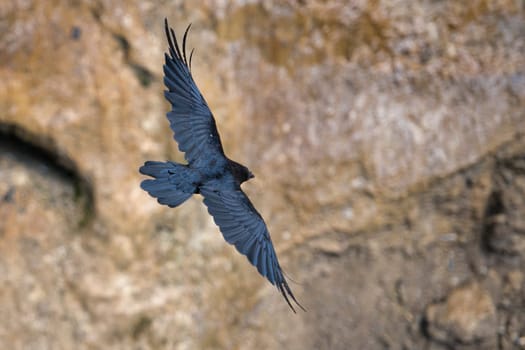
(172, 183)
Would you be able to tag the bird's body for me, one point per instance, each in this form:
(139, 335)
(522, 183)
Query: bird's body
(209, 172)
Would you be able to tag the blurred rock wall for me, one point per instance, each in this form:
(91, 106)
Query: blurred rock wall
(387, 142)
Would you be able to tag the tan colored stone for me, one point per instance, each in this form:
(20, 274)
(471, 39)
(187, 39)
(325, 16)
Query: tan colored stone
(468, 315)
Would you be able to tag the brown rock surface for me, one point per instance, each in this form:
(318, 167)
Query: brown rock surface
(468, 315)
(387, 142)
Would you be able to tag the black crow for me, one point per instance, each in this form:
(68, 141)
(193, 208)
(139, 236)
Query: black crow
(209, 172)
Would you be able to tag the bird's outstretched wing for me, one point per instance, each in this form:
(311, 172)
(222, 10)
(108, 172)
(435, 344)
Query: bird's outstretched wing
(190, 117)
(242, 226)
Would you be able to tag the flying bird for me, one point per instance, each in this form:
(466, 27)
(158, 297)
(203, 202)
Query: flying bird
(209, 172)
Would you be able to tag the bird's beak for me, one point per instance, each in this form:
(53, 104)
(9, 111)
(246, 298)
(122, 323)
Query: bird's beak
(251, 176)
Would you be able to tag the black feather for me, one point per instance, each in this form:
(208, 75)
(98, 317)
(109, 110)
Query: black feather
(184, 43)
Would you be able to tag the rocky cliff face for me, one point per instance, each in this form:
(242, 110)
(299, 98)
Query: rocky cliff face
(387, 142)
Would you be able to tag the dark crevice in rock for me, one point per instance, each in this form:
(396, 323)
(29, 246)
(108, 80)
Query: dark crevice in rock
(424, 326)
(8, 196)
(141, 326)
(493, 209)
(96, 10)
(144, 75)
(503, 231)
(515, 164)
(29, 148)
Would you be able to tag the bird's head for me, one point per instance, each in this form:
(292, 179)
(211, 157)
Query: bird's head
(240, 172)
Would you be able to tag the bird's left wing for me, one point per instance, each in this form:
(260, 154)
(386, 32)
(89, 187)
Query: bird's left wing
(190, 117)
(242, 226)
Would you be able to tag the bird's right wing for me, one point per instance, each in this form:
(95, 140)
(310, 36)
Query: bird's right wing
(242, 226)
(190, 118)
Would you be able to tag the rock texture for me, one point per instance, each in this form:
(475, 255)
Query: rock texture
(387, 142)
(467, 316)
